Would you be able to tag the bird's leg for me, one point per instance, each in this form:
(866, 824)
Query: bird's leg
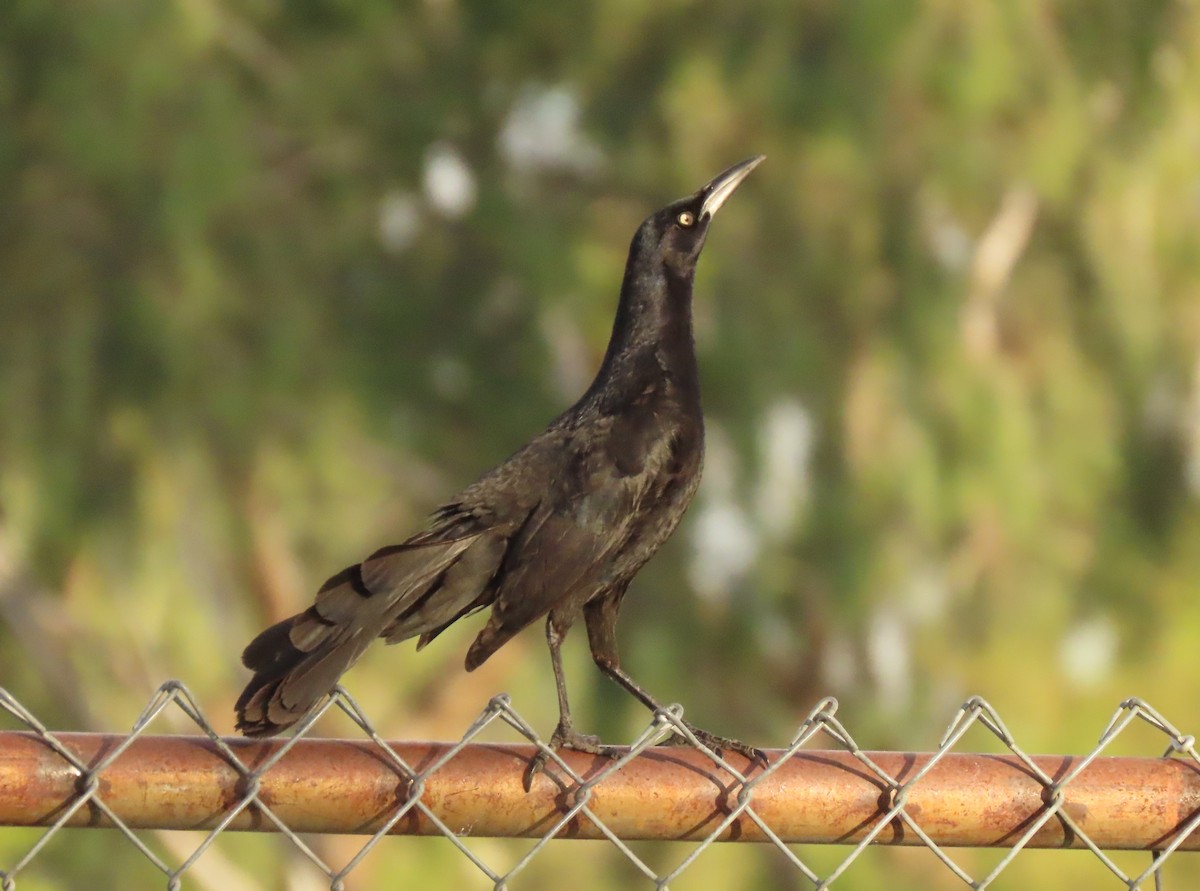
(565, 736)
(601, 618)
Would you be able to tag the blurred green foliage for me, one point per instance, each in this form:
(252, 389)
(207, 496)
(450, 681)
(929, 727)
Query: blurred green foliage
(278, 277)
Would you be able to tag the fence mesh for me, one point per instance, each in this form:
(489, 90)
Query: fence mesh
(89, 797)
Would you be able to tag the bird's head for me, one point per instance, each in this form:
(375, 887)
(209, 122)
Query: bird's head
(676, 233)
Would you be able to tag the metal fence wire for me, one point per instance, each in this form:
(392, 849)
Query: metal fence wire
(137, 783)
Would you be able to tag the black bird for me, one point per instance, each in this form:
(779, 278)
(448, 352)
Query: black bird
(558, 529)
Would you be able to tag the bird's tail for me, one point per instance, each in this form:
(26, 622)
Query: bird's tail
(289, 680)
(398, 592)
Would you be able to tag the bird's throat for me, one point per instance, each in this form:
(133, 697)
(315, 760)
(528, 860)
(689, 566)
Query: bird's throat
(652, 334)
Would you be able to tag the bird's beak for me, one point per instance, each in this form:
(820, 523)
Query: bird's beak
(724, 184)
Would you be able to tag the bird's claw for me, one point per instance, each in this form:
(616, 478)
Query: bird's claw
(719, 744)
(567, 738)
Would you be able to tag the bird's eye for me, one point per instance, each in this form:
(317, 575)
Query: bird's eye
(686, 219)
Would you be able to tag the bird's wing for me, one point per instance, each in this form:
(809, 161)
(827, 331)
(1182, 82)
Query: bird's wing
(549, 559)
(463, 588)
(557, 555)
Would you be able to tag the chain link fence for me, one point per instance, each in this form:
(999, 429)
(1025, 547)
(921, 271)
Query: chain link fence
(138, 783)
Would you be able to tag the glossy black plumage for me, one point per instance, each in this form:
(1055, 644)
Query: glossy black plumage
(557, 531)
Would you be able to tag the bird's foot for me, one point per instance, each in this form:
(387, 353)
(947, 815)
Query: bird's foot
(719, 744)
(569, 738)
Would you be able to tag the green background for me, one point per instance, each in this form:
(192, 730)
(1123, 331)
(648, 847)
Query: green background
(276, 278)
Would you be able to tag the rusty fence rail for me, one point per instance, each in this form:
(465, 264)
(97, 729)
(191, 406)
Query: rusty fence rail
(839, 794)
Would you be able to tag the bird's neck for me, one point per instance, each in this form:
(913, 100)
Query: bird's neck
(652, 336)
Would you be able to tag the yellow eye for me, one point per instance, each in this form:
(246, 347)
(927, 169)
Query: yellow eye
(686, 219)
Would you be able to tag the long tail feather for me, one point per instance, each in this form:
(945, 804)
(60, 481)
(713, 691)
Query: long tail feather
(400, 591)
(289, 680)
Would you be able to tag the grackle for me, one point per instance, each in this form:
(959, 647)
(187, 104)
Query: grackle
(558, 529)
